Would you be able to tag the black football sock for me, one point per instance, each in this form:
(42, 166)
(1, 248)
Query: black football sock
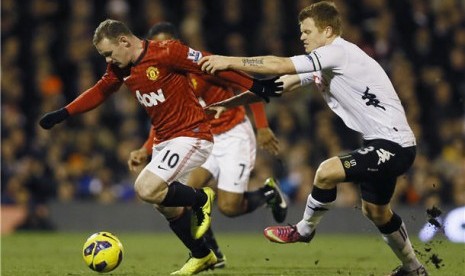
(324, 195)
(181, 226)
(183, 195)
(210, 240)
(258, 198)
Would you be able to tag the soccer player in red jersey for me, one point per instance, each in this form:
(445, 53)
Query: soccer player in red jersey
(233, 154)
(155, 73)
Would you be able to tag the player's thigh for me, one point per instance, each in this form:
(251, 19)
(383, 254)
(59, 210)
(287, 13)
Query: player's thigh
(235, 153)
(199, 177)
(375, 167)
(210, 166)
(177, 157)
(329, 171)
(150, 186)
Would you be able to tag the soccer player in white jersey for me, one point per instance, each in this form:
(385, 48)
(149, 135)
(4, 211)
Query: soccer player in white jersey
(358, 90)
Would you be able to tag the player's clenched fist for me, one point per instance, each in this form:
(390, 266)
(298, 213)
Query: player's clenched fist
(52, 118)
(267, 140)
(137, 158)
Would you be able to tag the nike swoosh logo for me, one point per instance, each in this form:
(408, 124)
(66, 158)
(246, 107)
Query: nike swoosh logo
(161, 168)
(316, 209)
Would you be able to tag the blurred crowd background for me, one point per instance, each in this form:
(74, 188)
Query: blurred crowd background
(48, 59)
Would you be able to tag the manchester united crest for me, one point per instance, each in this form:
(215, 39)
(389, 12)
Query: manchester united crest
(152, 73)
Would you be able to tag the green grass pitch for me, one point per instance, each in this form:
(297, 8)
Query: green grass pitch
(41, 254)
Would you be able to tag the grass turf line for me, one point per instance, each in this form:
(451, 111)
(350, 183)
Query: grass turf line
(248, 254)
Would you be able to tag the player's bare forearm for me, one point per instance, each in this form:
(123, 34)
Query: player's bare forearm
(241, 99)
(267, 65)
(244, 98)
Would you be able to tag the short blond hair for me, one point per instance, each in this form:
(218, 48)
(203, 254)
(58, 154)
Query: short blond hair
(324, 14)
(110, 29)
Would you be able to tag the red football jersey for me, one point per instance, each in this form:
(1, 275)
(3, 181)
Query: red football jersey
(212, 93)
(158, 80)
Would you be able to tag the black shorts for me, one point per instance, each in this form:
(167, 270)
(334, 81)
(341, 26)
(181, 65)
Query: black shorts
(376, 166)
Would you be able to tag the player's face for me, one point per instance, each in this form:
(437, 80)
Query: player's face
(115, 52)
(311, 36)
(161, 37)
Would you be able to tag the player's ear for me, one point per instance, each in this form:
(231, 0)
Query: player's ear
(124, 41)
(329, 31)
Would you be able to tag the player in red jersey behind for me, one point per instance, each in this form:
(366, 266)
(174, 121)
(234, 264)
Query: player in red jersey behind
(155, 73)
(233, 154)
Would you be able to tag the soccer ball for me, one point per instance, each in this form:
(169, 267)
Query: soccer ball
(102, 252)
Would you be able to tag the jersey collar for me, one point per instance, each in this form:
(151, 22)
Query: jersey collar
(146, 45)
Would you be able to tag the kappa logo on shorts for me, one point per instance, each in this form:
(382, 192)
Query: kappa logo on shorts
(384, 155)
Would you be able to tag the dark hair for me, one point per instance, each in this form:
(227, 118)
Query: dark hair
(324, 14)
(163, 27)
(110, 29)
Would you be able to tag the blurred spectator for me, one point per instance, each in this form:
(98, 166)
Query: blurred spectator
(48, 57)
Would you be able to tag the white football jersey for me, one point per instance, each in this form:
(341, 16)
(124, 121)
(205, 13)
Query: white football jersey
(357, 89)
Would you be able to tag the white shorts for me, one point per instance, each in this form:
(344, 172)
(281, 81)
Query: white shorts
(173, 159)
(233, 158)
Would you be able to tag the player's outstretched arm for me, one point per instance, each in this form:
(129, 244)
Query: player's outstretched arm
(90, 99)
(266, 65)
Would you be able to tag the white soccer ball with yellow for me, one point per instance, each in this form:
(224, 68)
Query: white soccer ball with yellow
(102, 252)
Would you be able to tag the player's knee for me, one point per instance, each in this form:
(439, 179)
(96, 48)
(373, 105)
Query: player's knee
(229, 208)
(143, 191)
(324, 175)
(150, 192)
(329, 173)
(379, 215)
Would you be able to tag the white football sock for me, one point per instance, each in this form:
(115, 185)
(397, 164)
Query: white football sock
(400, 244)
(314, 211)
